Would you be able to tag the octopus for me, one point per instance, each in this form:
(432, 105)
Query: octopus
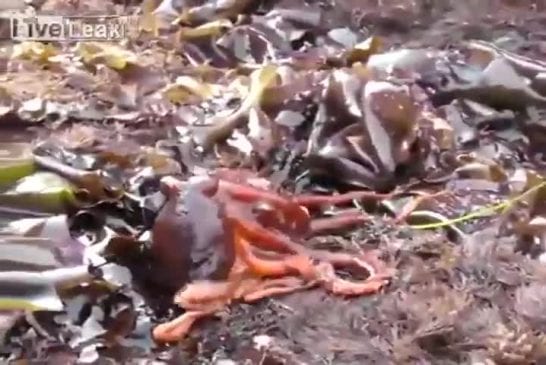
(229, 237)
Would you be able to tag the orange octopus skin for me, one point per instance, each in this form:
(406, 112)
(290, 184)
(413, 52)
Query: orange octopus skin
(267, 261)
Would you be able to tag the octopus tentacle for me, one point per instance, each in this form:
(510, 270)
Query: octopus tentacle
(378, 273)
(179, 327)
(337, 222)
(313, 200)
(297, 215)
(408, 208)
(267, 239)
(267, 260)
(291, 264)
(339, 286)
(268, 288)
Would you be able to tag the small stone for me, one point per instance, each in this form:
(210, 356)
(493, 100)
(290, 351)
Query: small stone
(262, 342)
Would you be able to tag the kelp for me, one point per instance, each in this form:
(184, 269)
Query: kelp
(22, 290)
(221, 127)
(29, 253)
(16, 162)
(381, 132)
(54, 233)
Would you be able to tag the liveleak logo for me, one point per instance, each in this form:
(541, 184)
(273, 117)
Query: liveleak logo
(71, 28)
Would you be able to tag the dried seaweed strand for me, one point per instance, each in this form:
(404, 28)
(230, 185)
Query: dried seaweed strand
(481, 212)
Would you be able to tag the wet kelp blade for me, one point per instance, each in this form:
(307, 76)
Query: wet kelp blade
(28, 254)
(20, 292)
(41, 192)
(51, 234)
(16, 162)
(24, 188)
(93, 182)
(33, 291)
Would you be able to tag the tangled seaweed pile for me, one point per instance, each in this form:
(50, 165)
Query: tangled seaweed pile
(242, 149)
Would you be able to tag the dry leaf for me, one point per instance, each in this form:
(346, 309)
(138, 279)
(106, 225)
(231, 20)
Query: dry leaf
(34, 51)
(185, 87)
(210, 29)
(108, 54)
(362, 51)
